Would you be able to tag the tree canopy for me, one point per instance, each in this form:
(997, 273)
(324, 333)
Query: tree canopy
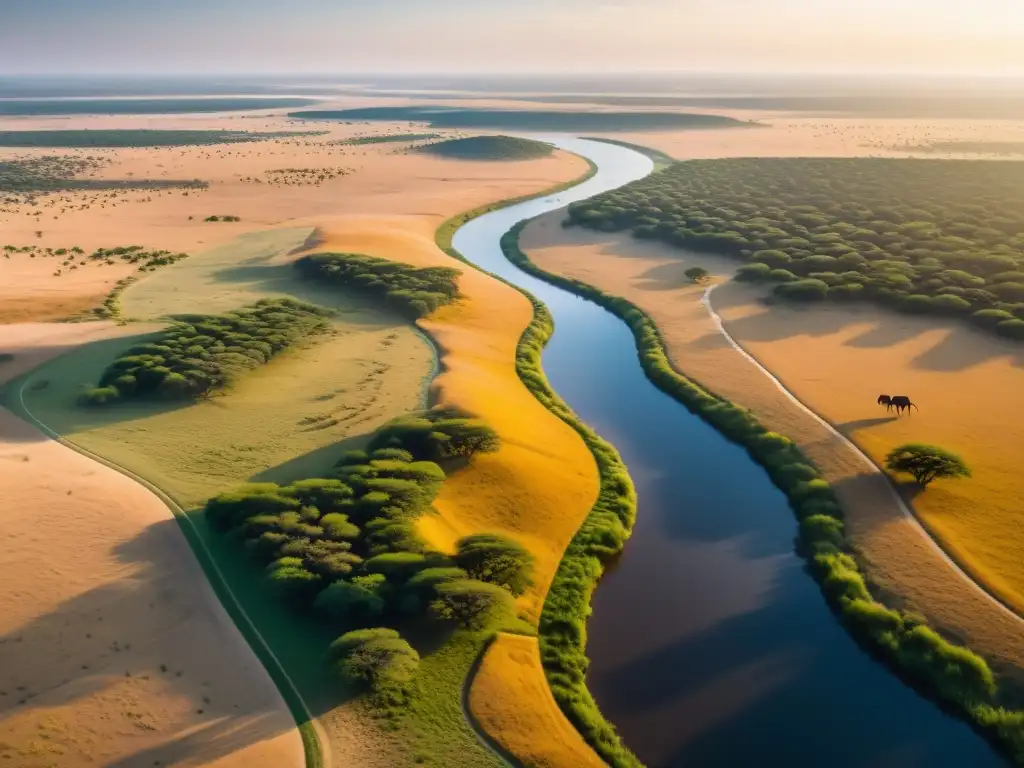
(926, 463)
(928, 236)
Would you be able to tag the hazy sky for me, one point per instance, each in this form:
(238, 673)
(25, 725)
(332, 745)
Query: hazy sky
(223, 36)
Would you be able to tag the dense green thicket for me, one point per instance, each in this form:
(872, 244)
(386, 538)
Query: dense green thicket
(39, 175)
(527, 120)
(134, 137)
(951, 674)
(489, 148)
(413, 291)
(940, 237)
(201, 353)
(345, 548)
(387, 138)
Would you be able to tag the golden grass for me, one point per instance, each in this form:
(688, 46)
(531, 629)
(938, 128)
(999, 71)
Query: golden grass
(838, 360)
(542, 482)
(537, 488)
(538, 735)
(968, 386)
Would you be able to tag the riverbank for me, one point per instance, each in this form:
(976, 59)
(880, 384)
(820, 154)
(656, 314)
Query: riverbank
(645, 275)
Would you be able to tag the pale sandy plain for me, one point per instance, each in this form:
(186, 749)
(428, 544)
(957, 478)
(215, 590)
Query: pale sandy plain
(385, 195)
(837, 360)
(114, 650)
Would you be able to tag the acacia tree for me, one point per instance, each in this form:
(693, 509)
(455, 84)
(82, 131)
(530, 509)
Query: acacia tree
(926, 462)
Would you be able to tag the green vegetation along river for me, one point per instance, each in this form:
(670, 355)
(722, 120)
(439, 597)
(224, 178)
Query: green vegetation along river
(709, 643)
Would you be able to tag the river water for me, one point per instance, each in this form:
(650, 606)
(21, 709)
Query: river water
(709, 643)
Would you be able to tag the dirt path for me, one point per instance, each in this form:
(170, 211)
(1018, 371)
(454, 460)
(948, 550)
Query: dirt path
(902, 561)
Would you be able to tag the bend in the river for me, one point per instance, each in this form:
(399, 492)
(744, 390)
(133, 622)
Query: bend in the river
(709, 643)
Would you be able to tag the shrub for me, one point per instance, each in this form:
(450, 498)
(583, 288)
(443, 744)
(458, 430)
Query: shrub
(1013, 329)
(361, 599)
(926, 462)
(802, 290)
(437, 434)
(99, 396)
(378, 659)
(752, 272)
(472, 604)
(697, 274)
(496, 560)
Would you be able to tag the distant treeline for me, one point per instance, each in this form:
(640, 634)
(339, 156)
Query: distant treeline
(133, 106)
(51, 173)
(131, 137)
(387, 138)
(489, 148)
(202, 353)
(528, 120)
(413, 291)
(942, 237)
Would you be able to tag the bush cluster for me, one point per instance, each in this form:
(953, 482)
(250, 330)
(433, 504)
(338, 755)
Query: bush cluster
(201, 353)
(345, 548)
(413, 291)
(939, 237)
(437, 434)
(949, 673)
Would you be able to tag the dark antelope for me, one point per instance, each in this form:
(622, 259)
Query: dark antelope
(899, 402)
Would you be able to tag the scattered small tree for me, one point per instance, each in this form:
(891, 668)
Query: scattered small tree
(697, 274)
(926, 462)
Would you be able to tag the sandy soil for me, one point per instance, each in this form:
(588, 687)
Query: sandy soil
(820, 136)
(377, 178)
(834, 360)
(113, 648)
(539, 735)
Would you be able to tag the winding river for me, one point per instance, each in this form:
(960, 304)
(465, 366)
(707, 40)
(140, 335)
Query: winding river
(709, 643)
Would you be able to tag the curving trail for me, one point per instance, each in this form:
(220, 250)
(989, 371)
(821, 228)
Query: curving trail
(869, 467)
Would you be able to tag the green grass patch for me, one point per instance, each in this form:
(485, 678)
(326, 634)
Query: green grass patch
(489, 148)
(203, 353)
(529, 120)
(952, 675)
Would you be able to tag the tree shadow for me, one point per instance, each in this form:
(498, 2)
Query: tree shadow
(965, 347)
(849, 427)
